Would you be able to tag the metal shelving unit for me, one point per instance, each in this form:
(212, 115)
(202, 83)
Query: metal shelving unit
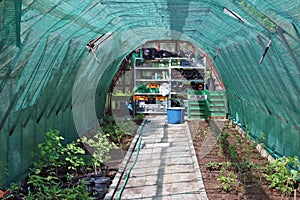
(179, 74)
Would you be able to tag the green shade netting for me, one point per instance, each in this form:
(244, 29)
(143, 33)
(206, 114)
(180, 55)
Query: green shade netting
(48, 79)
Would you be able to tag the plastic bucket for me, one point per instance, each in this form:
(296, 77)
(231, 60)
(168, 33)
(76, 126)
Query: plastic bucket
(175, 115)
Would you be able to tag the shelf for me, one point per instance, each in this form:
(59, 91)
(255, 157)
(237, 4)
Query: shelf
(178, 93)
(169, 68)
(145, 93)
(152, 68)
(152, 80)
(187, 67)
(171, 58)
(187, 81)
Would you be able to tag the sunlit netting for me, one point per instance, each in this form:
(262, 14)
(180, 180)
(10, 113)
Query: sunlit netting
(49, 79)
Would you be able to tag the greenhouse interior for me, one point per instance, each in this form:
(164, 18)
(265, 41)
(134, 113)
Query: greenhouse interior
(83, 82)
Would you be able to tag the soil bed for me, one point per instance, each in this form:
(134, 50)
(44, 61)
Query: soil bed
(51, 180)
(231, 166)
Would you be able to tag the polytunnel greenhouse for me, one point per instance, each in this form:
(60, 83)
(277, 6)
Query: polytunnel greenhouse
(72, 68)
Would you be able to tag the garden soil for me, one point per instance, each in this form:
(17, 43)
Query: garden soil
(245, 185)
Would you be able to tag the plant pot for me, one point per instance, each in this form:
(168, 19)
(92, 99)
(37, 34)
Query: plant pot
(102, 181)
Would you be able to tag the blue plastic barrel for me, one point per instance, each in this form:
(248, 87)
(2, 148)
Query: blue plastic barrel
(175, 115)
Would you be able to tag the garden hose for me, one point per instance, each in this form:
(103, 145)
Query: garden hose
(130, 168)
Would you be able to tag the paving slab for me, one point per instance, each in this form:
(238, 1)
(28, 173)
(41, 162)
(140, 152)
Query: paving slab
(166, 166)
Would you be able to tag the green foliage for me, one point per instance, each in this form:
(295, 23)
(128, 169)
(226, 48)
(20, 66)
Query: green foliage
(13, 187)
(72, 154)
(42, 184)
(212, 166)
(239, 139)
(232, 152)
(52, 155)
(117, 131)
(50, 151)
(75, 193)
(48, 188)
(222, 137)
(128, 127)
(117, 135)
(228, 182)
(101, 146)
(108, 124)
(280, 177)
(220, 154)
(261, 139)
(198, 133)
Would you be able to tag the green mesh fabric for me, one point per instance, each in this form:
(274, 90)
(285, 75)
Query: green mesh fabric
(48, 79)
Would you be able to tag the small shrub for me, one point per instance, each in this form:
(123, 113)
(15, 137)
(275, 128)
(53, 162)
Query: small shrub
(49, 152)
(232, 152)
(72, 154)
(100, 146)
(280, 177)
(49, 188)
(228, 182)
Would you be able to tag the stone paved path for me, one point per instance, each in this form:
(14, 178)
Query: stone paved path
(166, 166)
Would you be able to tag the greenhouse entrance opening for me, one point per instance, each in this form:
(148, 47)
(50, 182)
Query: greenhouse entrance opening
(167, 73)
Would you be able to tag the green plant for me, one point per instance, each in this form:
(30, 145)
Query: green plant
(261, 139)
(117, 131)
(212, 166)
(100, 147)
(222, 137)
(14, 187)
(128, 127)
(50, 152)
(69, 179)
(220, 150)
(198, 133)
(280, 177)
(77, 192)
(42, 184)
(232, 152)
(117, 135)
(49, 188)
(226, 125)
(72, 154)
(239, 139)
(228, 182)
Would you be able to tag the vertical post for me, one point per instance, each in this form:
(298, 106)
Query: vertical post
(170, 83)
(214, 70)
